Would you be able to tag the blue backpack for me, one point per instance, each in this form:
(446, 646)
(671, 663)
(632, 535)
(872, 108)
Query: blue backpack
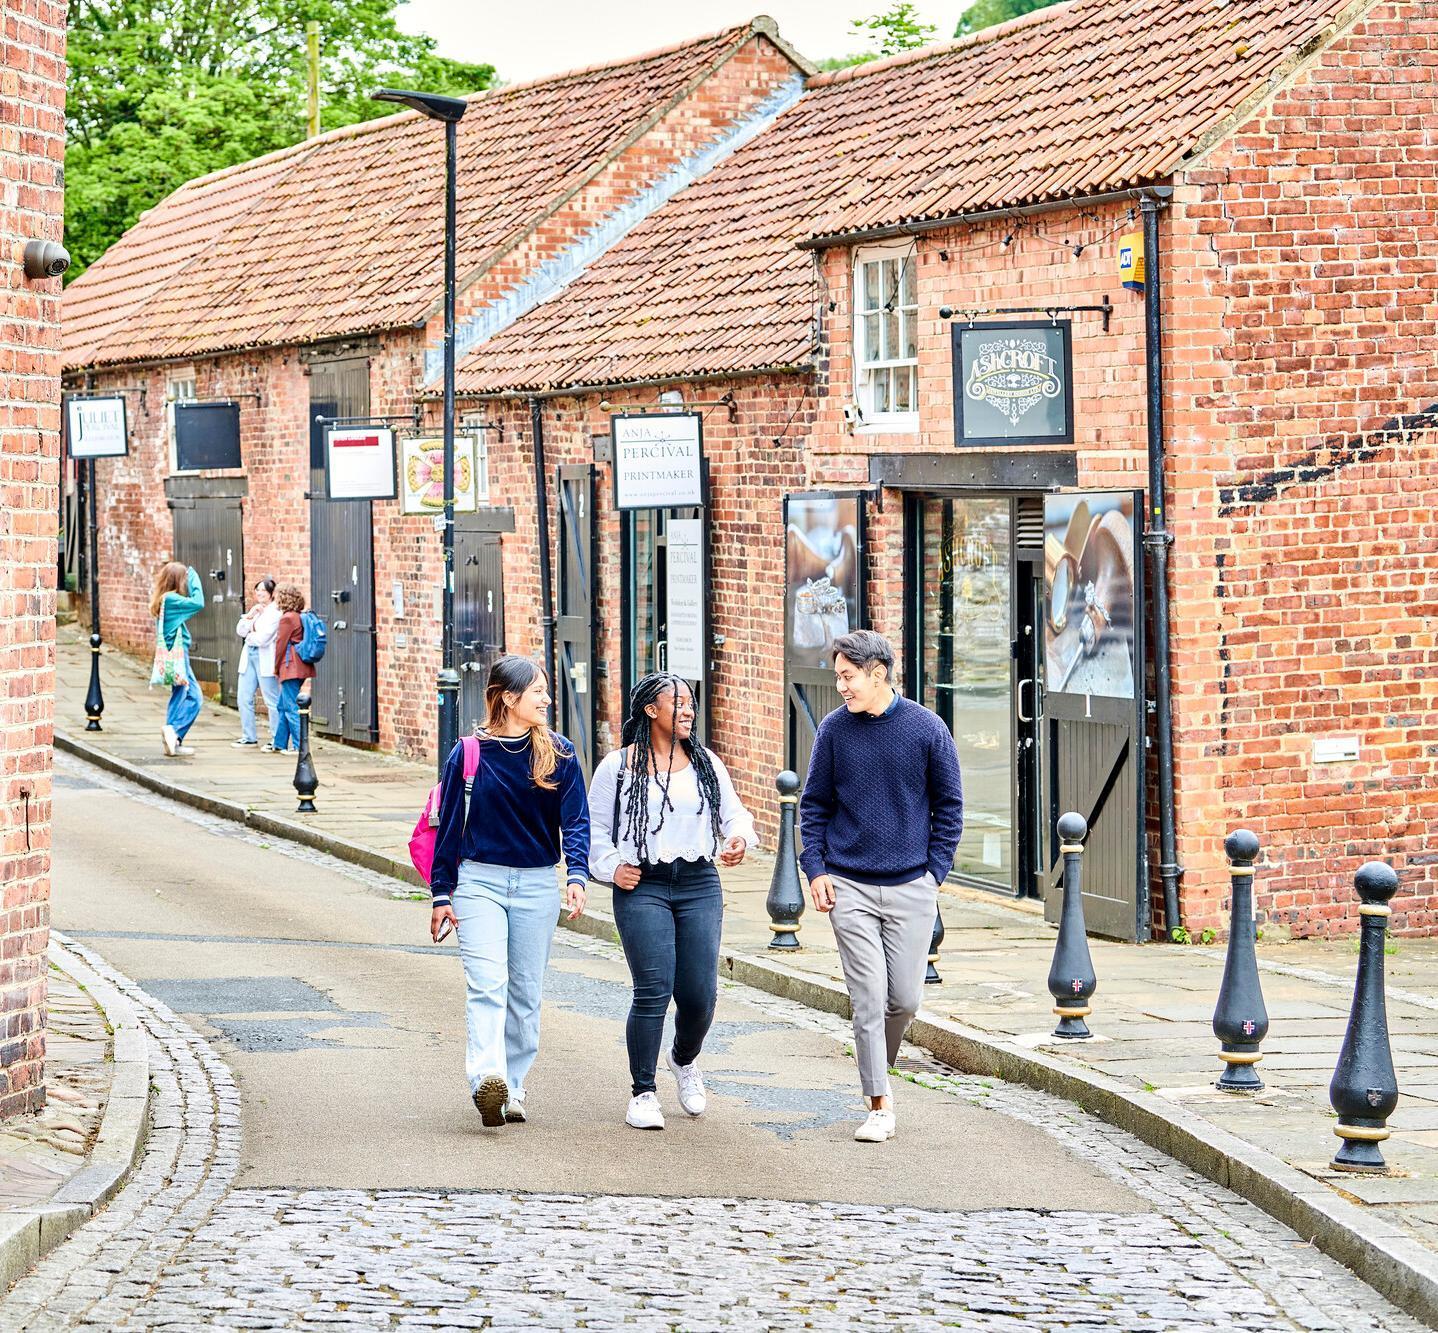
(312, 645)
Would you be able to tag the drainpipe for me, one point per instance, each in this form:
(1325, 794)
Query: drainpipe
(1157, 540)
(541, 519)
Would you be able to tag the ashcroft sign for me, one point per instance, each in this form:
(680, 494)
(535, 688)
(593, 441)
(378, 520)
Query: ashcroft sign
(658, 461)
(1012, 383)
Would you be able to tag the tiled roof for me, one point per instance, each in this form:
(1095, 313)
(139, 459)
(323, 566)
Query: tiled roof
(337, 235)
(1073, 100)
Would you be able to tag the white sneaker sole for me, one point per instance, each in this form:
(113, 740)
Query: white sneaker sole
(169, 740)
(489, 1100)
(684, 1106)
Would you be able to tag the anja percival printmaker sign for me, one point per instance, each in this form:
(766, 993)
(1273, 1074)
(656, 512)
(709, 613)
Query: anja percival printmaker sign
(658, 460)
(1013, 383)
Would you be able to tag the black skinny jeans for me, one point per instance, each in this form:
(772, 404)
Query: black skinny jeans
(669, 924)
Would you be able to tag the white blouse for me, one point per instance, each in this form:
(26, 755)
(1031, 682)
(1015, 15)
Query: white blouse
(687, 834)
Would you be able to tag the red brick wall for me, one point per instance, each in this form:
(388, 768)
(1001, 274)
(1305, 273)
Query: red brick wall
(1303, 310)
(32, 140)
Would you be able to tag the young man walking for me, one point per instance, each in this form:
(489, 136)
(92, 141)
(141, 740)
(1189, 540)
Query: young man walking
(881, 817)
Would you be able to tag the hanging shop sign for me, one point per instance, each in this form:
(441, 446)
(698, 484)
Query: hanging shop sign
(421, 470)
(1013, 383)
(658, 460)
(207, 436)
(685, 599)
(823, 575)
(1089, 615)
(95, 426)
(359, 463)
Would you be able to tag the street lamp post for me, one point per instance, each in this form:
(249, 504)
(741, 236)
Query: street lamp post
(94, 698)
(448, 111)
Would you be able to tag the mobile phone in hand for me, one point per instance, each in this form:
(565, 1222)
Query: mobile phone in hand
(446, 926)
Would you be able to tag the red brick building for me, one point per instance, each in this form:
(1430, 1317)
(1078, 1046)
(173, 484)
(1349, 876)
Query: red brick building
(816, 295)
(32, 141)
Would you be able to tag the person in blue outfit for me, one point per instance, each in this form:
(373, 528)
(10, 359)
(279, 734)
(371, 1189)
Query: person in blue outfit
(494, 877)
(176, 596)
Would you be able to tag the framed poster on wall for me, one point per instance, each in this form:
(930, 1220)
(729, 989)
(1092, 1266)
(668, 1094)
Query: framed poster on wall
(359, 463)
(207, 435)
(421, 471)
(95, 426)
(1013, 382)
(658, 460)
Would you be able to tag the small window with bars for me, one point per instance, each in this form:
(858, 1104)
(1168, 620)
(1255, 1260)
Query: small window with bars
(886, 337)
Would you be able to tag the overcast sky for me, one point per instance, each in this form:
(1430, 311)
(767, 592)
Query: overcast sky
(527, 40)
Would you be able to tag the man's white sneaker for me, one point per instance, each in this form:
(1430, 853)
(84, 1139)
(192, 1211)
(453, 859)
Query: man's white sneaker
(878, 1128)
(691, 1085)
(170, 739)
(644, 1112)
(514, 1111)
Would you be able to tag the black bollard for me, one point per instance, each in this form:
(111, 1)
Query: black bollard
(1364, 1090)
(1240, 1019)
(1071, 978)
(306, 783)
(94, 699)
(931, 976)
(785, 902)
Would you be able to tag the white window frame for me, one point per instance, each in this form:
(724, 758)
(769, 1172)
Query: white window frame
(905, 253)
(180, 387)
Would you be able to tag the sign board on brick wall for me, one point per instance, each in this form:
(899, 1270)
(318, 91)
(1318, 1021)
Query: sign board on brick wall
(1013, 383)
(421, 474)
(95, 426)
(359, 463)
(207, 435)
(658, 460)
(685, 602)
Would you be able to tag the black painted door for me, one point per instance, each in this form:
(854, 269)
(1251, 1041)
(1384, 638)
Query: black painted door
(574, 639)
(478, 616)
(342, 569)
(209, 538)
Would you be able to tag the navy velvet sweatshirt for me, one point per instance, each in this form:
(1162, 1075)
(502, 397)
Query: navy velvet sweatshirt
(511, 821)
(883, 801)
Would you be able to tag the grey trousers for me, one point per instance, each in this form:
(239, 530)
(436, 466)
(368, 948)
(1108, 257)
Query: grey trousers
(883, 935)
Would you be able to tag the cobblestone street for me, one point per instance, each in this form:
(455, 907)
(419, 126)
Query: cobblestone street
(185, 1246)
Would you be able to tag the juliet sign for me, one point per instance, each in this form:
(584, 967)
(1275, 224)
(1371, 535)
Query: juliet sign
(95, 427)
(1013, 383)
(658, 461)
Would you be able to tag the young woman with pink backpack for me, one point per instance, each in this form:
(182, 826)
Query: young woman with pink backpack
(511, 802)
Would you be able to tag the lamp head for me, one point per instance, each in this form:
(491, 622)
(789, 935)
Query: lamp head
(434, 105)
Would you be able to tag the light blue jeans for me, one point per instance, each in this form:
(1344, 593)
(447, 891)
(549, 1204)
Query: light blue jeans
(185, 702)
(250, 681)
(506, 922)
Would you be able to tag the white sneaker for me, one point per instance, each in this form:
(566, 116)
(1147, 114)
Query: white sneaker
(171, 740)
(878, 1128)
(184, 749)
(242, 743)
(644, 1112)
(489, 1100)
(691, 1085)
(514, 1110)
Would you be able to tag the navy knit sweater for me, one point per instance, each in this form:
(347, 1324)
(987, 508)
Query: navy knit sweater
(883, 801)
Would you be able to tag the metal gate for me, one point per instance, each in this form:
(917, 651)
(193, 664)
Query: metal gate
(209, 538)
(574, 639)
(342, 568)
(1091, 706)
(478, 606)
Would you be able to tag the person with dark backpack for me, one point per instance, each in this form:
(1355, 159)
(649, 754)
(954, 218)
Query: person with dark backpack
(663, 811)
(295, 670)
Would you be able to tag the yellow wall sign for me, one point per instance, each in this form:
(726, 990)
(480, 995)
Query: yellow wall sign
(1131, 260)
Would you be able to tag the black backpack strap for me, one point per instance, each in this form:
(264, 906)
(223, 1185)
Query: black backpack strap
(618, 787)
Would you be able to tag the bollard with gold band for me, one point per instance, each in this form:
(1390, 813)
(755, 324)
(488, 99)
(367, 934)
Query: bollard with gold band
(1071, 978)
(785, 902)
(306, 783)
(94, 697)
(931, 973)
(1240, 1019)
(1364, 1090)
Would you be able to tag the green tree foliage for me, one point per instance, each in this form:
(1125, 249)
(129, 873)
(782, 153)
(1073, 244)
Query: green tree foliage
(985, 13)
(162, 91)
(898, 28)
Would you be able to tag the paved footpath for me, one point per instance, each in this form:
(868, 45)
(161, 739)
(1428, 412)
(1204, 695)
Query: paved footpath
(314, 1161)
(1152, 1012)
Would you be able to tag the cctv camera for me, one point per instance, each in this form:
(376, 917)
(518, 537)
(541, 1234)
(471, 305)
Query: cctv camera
(45, 259)
(852, 414)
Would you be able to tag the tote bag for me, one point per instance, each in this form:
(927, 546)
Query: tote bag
(169, 668)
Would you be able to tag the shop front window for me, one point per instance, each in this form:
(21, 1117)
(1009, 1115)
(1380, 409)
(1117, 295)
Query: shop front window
(965, 635)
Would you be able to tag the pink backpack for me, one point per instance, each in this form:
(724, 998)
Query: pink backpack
(426, 828)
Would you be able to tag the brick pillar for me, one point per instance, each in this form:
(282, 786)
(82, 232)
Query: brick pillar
(32, 133)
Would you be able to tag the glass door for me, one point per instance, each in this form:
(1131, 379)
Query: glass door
(963, 610)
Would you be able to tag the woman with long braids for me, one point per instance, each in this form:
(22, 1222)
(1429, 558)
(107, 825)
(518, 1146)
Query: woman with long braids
(493, 877)
(663, 810)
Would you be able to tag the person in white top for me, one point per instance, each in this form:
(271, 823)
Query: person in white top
(663, 810)
(257, 627)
